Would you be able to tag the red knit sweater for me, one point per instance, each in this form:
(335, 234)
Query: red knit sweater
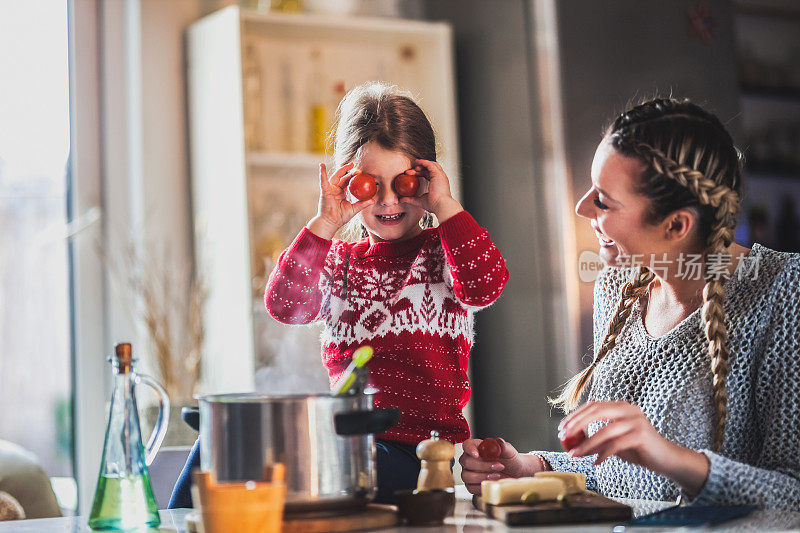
(413, 301)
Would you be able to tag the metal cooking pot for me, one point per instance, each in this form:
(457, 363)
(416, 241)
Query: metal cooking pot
(326, 443)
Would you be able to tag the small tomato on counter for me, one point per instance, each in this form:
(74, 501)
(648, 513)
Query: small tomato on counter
(489, 449)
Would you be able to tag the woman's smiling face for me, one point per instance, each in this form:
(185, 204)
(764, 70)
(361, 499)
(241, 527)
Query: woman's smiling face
(388, 219)
(616, 211)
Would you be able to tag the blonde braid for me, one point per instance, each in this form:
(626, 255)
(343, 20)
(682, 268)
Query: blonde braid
(570, 394)
(726, 202)
(714, 312)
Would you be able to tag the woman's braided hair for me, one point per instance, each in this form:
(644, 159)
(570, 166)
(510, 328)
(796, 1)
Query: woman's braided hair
(691, 162)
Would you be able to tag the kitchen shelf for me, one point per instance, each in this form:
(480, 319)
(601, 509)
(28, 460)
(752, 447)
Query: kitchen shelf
(769, 97)
(293, 25)
(792, 173)
(281, 160)
(768, 12)
(251, 79)
(770, 92)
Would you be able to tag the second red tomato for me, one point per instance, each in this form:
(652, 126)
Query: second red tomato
(570, 441)
(406, 185)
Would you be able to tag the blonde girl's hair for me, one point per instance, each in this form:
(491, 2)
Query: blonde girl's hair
(691, 162)
(389, 116)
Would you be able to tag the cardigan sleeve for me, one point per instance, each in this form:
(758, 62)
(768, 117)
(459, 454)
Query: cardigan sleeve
(477, 268)
(561, 462)
(296, 287)
(774, 480)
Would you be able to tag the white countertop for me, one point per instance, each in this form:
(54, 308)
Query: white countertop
(465, 520)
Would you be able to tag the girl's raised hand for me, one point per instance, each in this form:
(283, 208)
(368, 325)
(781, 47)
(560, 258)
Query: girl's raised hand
(510, 464)
(334, 209)
(438, 199)
(630, 436)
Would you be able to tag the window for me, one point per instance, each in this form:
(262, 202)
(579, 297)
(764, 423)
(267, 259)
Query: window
(35, 366)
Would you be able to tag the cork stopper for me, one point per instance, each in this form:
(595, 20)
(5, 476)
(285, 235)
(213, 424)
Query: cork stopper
(436, 449)
(123, 353)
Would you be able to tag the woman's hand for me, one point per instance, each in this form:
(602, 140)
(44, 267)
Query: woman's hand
(334, 209)
(438, 199)
(510, 464)
(630, 436)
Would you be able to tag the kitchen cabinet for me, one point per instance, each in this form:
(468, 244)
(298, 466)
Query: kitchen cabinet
(262, 92)
(768, 38)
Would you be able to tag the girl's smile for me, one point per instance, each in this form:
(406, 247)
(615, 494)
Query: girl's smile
(390, 219)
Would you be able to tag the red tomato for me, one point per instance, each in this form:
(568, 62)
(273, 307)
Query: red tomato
(362, 186)
(489, 449)
(406, 185)
(572, 440)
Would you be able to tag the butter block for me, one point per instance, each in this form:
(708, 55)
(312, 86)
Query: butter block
(575, 482)
(509, 490)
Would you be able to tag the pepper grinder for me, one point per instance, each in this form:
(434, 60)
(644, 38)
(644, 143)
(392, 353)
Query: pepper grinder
(435, 455)
(435, 497)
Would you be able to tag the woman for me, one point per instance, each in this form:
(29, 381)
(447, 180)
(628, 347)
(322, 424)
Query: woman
(694, 378)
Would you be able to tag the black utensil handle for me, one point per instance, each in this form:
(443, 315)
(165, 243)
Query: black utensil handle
(191, 415)
(365, 422)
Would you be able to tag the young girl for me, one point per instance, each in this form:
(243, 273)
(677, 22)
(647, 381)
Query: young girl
(695, 376)
(406, 289)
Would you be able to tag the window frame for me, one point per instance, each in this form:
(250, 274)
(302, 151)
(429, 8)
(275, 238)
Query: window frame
(105, 141)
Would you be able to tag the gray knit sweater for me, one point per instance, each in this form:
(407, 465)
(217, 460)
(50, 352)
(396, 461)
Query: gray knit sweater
(669, 378)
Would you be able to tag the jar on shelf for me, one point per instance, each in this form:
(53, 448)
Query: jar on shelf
(253, 99)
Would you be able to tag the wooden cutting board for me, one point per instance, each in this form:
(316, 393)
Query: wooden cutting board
(587, 507)
(373, 516)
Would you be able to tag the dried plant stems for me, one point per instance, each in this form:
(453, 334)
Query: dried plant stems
(168, 303)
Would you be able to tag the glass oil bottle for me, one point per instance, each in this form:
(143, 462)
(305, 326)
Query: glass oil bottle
(124, 499)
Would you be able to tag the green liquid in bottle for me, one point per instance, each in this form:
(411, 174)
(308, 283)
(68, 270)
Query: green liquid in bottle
(127, 503)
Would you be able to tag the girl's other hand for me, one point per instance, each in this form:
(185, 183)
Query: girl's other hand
(438, 199)
(510, 464)
(334, 209)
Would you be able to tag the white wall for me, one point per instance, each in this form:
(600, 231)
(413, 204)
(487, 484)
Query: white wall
(505, 188)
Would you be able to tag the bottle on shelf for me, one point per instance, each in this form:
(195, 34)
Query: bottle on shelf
(286, 6)
(339, 90)
(318, 107)
(123, 499)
